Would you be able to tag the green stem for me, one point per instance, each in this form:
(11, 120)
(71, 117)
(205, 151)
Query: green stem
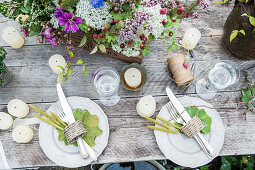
(168, 123)
(163, 129)
(42, 112)
(48, 121)
(58, 119)
(157, 122)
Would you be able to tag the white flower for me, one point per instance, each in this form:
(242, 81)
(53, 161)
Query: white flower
(156, 20)
(94, 17)
(54, 21)
(133, 51)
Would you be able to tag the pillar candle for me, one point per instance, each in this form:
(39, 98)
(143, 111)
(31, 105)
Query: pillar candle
(133, 77)
(22, 134)
(191, 38)
(18, 108)
(55, 61)
(12, 37)
(146, 106)
(6, 121)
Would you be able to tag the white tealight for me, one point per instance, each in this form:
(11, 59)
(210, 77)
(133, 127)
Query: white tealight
(22, 134)
(18, 108)
(133, 77)
(12, 37)
(191, 38)
(56, 62)
(6, 121)
(146, 106)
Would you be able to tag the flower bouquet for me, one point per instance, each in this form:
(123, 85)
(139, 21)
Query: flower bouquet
(117, 28)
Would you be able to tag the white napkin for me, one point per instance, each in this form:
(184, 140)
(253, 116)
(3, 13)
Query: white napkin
(3, 160)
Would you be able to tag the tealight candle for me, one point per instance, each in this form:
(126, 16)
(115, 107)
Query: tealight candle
(55, 61)
(146, 106)
(18, 108)
(191, 38)
(12, 37)
(6, 121)
(22, 134)
(133, 77)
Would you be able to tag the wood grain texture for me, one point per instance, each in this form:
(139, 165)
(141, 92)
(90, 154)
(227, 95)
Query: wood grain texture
(34, 82)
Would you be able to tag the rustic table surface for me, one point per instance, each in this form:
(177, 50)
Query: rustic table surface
(34, 82)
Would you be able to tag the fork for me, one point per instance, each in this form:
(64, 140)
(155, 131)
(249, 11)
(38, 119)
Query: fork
(206, 147)
(81, 143)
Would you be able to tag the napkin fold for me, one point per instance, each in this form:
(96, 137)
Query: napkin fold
(3, 160)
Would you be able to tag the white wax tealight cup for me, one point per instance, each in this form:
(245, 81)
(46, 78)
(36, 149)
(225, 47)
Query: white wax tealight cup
(22, 134)
(6, 121)
(191, 38)
(133, 77)
(18, 108)
(56, 62)
(146, 106)
(12, 37)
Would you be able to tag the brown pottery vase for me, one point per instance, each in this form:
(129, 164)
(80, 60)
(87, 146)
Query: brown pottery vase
(243, 46)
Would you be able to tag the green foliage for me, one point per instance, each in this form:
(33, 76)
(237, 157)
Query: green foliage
(3, 54)
(90, 123)
(251, 18)
(234, 33)
(245, 162)
(227, 162)
(249, 98)
(203, 116)
(65, 4)
(11, 9)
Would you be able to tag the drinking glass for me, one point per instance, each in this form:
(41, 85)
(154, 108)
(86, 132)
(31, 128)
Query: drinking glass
(106, 81)
(224, 74)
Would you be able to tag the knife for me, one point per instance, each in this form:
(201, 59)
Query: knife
(85, 149)
(206, 147)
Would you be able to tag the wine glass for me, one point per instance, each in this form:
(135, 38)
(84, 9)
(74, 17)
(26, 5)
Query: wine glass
(106, 81)
(223, 74)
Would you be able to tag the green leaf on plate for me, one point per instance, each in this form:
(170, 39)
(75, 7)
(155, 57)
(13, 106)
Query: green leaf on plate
(203, 116)
(90, 123)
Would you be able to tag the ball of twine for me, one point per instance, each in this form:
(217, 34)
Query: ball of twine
(181, 75)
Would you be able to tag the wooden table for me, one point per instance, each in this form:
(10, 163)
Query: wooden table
(34, 82)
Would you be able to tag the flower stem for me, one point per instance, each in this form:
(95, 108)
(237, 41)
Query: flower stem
(168, 123)
(163, 129)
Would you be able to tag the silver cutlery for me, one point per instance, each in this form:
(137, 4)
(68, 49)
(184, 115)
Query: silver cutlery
(180, 115)
(67, 116)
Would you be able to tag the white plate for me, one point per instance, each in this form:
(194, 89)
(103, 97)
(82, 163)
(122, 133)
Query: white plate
(185, 151)
(69, 156)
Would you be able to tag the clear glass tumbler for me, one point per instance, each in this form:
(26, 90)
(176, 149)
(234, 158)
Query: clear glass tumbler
(107, 81)
(224, 74)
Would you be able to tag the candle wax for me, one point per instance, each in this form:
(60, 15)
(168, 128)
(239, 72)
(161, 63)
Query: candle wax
(12, 37)
(22, 134)
(18, 108)
(133, 77)
(6, 121)
(191, 38)
(55, 61)
(146, 106)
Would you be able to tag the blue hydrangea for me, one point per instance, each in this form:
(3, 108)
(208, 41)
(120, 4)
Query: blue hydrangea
(97, 3)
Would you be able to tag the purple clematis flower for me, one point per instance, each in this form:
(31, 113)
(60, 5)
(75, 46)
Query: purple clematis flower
(59, 12)
(48, 37)
(97, 3)
(69, 22)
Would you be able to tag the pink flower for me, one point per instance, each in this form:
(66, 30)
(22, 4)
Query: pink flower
(69, 22)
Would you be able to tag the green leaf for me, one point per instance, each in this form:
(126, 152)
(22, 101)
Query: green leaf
(60, 78)
(203, 116)
(71, 54)
(252, 20)
(144, 52)
(245, 15)
(206, 167)
(94, 50)
(80, 61)
(83, 41)
(242, 31)
(233, 35)
(85, 71)
(227, 162)
(62, 68)
(68, 73)
(249, 98)
(102, 48)
(34, 30)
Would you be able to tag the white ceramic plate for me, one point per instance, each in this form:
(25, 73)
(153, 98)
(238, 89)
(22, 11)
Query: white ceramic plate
(69, 156)
(185, 151)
